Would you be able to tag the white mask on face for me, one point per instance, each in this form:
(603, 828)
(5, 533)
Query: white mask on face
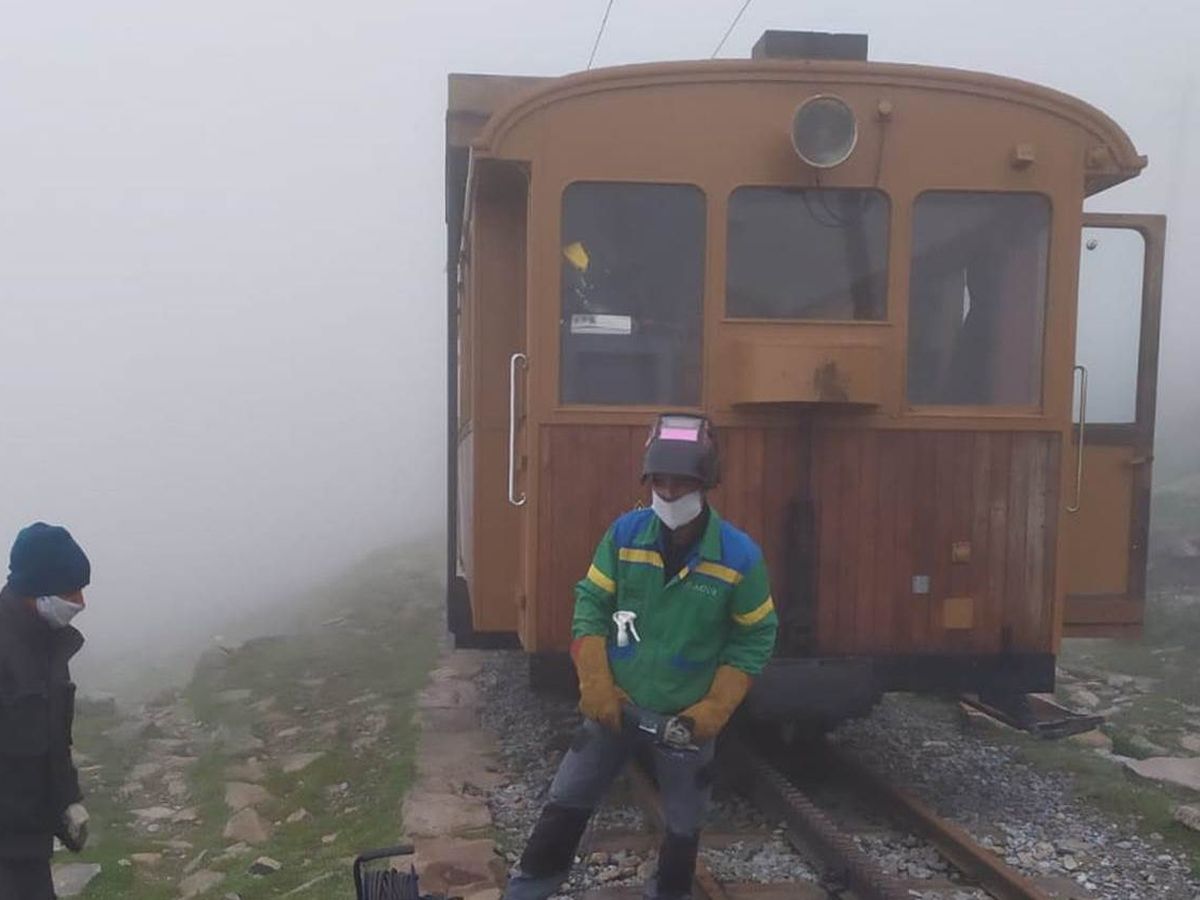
(677, 513)
(58, 612)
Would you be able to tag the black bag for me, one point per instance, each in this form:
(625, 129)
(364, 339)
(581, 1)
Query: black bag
(389, 883)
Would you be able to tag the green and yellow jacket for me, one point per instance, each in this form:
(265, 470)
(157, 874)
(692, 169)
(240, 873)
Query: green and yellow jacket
(716, 611)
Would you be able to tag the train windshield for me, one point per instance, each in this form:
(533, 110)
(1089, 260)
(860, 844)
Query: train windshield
(632, 289)
(812, 253)
(977, 298)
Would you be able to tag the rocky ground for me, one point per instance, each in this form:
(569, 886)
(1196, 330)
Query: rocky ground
(1036, 817)
(536, 730)
(284, 758)
(1029, 816)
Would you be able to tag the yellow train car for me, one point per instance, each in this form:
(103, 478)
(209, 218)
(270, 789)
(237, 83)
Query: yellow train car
(932, 374)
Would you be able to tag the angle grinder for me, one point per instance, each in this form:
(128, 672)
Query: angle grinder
(672, 732)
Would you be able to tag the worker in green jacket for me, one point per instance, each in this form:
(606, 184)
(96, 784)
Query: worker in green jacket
(674, 617)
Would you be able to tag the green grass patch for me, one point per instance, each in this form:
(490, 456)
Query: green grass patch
(348, 685)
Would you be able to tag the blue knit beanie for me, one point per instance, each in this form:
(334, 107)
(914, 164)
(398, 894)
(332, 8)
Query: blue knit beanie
(46, 562)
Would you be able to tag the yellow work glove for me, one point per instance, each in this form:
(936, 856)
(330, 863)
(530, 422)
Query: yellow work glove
(599, 696)
(709, 715)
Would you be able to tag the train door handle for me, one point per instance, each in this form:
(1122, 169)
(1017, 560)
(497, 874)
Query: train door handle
(1083, 380)
(517, 359)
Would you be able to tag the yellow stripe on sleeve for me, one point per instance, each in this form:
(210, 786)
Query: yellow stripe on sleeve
(723, 573)
(755, 615)
(602, 581)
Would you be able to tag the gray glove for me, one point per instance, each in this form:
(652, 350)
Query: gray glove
(74, 827)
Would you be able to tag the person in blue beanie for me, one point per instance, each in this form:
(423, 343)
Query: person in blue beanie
(39, 787)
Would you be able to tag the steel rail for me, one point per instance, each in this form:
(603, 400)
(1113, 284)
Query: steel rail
(809, 829)
(985, 868)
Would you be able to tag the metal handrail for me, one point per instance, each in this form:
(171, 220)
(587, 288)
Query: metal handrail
(513, 361)
(1083, 381)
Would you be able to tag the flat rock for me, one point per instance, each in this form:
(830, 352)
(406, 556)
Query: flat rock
(198, 882)
(246, 825)
(154, 813)
(450, 865)
(70, 879)
(1190, 742)
(1179, 771)
(464, 663)
(298, 762)
(1188, 815)
(432, 813)
(450, 693)
(251, 770)
(455, 719)
(240, 794)
(146, 859)
(145, 770)
(298, 816)
(1096, 739)
(445, 761)
(264, 865)
(1084, 697)
(239, 741)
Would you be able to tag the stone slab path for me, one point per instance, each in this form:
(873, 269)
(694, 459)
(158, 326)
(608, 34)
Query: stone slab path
(446, 815)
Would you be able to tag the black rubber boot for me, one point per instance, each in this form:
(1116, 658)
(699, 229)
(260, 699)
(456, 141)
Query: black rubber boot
(676, 865)
(551, 847)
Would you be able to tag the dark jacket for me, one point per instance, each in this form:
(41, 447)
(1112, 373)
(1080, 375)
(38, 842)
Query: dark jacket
(38, 780)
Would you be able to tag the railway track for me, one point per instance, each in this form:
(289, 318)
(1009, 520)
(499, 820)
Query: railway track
(817, 835)
(813, 831)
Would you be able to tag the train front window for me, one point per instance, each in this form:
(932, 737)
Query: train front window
(977, 299)
(632, 284)
(811, 253)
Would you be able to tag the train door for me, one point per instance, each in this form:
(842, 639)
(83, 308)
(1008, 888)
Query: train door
(498, 368)
(1107, 520)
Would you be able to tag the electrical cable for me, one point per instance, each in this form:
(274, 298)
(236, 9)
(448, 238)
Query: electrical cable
(600, 34)
(729, 30)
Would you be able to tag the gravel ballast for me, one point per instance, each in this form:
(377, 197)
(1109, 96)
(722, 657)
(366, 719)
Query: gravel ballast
(1029, 817)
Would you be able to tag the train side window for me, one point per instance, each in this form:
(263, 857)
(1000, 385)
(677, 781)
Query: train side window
(1109, 329)
(977, 298)
(632, 289)
(810, 253)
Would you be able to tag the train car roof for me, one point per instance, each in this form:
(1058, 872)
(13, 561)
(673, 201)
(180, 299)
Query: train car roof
(482, 109)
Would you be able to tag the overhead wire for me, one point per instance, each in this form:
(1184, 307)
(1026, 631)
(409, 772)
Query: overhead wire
(729, 30)
(600, 34)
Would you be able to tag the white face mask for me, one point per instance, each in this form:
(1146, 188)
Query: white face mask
(677, 513)
(58, 612)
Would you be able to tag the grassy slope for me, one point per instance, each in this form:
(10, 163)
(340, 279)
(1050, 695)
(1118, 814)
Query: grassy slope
(377, 654)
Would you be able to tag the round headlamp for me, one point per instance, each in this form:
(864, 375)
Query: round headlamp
(824, 131)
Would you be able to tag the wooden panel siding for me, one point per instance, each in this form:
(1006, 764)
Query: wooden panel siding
(886, 505)
(891, 505)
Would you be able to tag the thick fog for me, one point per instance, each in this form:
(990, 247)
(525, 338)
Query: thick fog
(221, 254)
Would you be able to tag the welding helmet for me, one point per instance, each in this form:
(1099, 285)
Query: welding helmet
(684, 445)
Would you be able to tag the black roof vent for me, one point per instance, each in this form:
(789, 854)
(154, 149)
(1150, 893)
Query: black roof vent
(810, 45)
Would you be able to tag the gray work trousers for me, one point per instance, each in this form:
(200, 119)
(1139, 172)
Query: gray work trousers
(584, 775)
